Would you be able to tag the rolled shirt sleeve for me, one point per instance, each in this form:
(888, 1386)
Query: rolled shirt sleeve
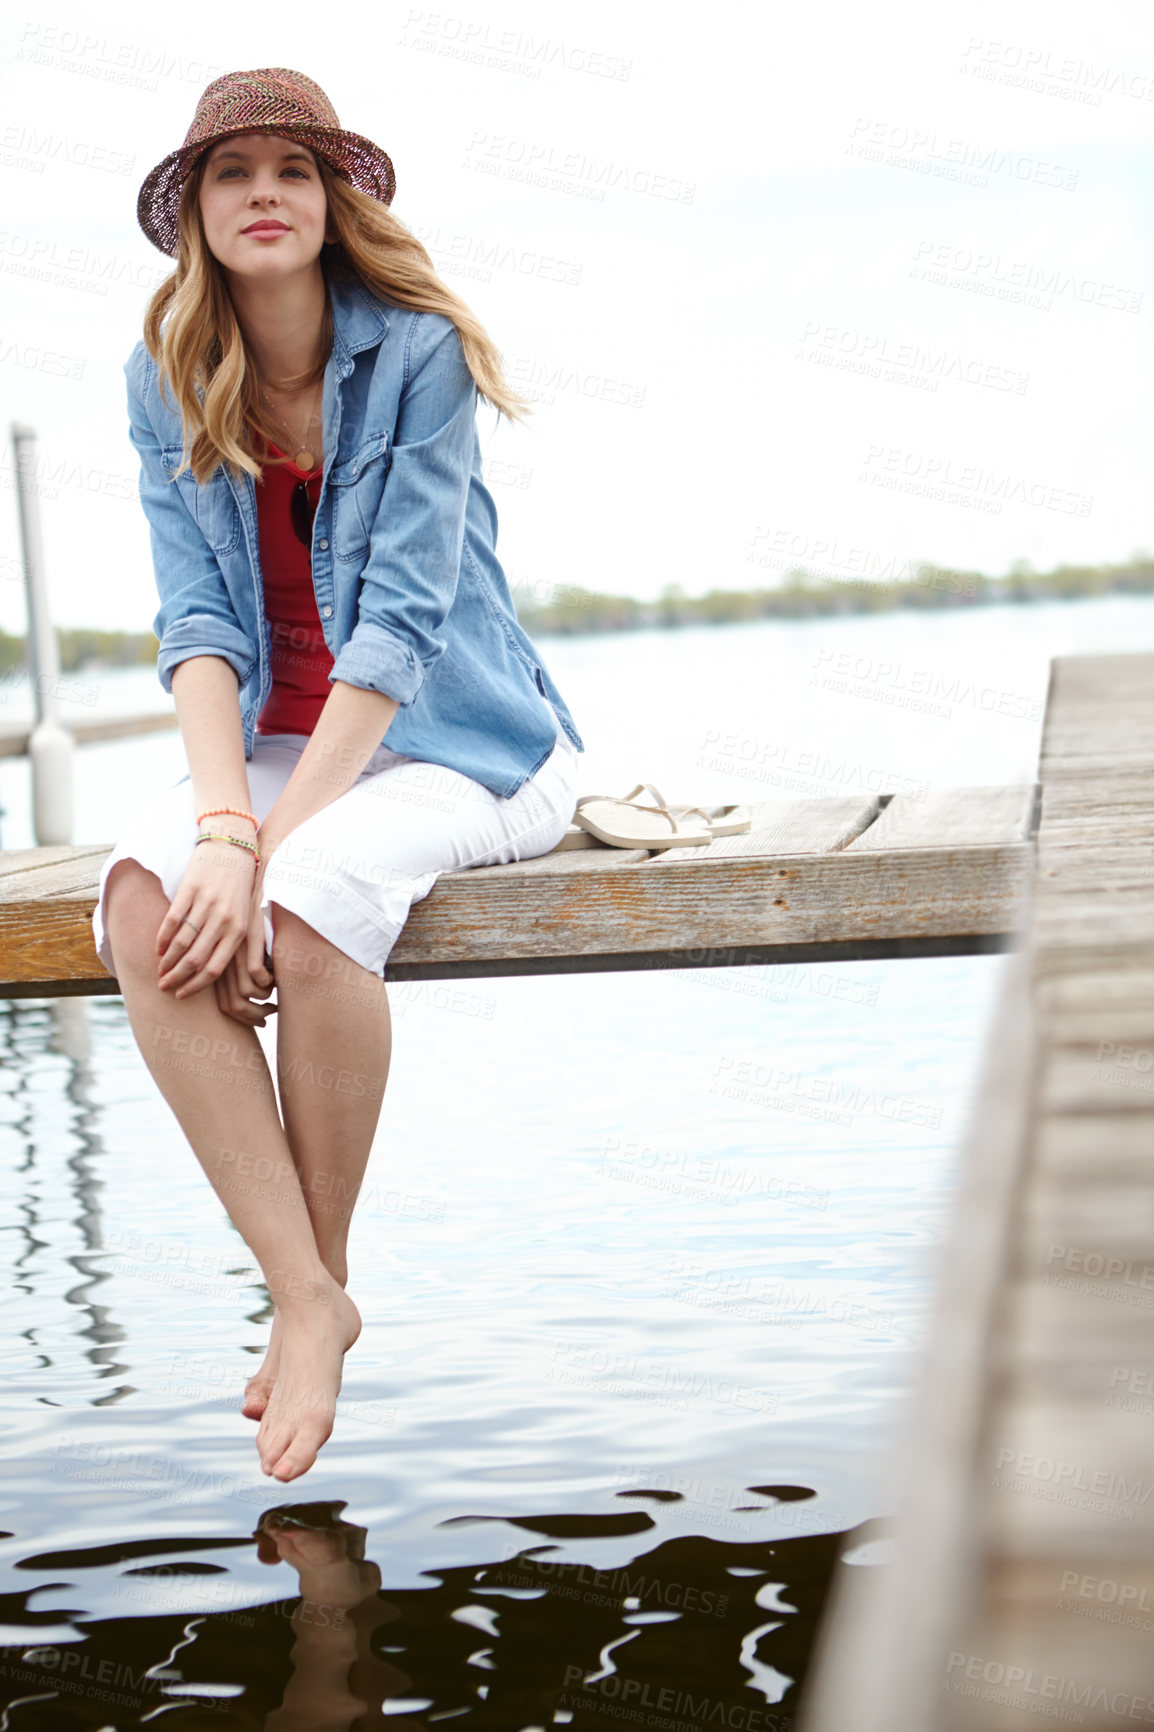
(415, 543)
(196, 615)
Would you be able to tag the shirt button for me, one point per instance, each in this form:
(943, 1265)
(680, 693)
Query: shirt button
(327, 611)
(323, 544)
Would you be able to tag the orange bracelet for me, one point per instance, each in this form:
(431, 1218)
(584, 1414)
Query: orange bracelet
(231, 811)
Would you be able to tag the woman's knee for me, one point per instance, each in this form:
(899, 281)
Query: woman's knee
(134, 906)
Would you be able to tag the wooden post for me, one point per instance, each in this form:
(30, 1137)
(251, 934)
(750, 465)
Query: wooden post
(50, 744)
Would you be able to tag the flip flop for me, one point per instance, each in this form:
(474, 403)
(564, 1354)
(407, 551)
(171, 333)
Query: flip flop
(623, 823)
(723, 821)
(576, 837)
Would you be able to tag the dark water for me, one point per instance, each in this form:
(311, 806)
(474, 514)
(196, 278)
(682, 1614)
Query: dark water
(682, 1630)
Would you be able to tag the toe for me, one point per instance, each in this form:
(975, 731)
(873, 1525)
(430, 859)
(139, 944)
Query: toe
(257, 1393)
(291, 1464)
(271, 1441)
(302, 1451)
(254, 1403)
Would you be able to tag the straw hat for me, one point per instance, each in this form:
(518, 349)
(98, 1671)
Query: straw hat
(271, 100)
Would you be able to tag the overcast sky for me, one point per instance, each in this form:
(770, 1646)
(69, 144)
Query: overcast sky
(845, 287)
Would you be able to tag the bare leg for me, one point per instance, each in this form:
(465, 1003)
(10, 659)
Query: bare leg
(334, 1043)
(213, 1075)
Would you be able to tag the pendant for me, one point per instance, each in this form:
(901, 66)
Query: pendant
(304, 460)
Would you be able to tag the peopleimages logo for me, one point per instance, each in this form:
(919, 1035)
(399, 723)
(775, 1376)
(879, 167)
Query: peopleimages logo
(1021, 1686)
(1074, 1476)
(1104, 1590)
(696, 1710)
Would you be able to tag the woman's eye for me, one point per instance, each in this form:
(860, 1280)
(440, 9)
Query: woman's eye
(236, 169)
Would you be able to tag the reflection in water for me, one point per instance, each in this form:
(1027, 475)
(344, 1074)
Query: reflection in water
(70, 1037)
(692, 1633)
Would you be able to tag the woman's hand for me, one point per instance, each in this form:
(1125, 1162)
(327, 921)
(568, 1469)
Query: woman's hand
(247, 980)
(215, 895)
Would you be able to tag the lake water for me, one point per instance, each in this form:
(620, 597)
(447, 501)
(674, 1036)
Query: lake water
(634, 1338)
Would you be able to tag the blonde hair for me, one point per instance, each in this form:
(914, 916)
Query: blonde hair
(202, 354)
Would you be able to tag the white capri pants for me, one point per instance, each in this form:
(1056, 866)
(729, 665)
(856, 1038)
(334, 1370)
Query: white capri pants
(354, 869)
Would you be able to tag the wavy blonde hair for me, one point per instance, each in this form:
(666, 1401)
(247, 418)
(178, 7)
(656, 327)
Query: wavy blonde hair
(201, 351)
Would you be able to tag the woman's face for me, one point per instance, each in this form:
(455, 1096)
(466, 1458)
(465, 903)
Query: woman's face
(263, 206)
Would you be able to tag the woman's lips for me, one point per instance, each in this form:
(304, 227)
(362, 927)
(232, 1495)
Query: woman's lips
(266, 229)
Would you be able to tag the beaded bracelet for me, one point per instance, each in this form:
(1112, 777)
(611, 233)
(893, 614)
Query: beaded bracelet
(228, 811)
(222, 836)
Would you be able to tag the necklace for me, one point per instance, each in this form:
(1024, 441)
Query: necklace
(302, 448)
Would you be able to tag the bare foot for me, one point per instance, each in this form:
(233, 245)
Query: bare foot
(260, 1385)
(315, 1336)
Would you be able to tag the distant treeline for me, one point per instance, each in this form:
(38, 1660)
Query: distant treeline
(568, 610)
(802, 595)
(81, 647)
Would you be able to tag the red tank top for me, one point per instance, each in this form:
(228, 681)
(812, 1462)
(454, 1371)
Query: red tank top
(300, 658)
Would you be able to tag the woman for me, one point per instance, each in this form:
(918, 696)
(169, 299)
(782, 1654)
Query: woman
(303, 404)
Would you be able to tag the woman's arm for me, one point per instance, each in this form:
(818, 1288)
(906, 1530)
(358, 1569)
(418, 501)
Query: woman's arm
(220, 891)
(196, 615)
(207, 698)
(349, 729)
(348, 732)
(209, 916)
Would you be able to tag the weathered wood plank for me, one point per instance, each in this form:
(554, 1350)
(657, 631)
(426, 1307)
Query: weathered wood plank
(1059, 1327)
(1074, 1494)
(1086, 1080)
(32, 860)
(730, 901)
(581, 904)
(1106, 1452)
(1072, 1657)
(951, 818)
(43, 886)
(1099, 1231)
(1087, 1008)
(1069, 1147)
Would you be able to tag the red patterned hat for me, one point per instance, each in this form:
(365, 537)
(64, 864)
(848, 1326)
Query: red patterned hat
(271, 100)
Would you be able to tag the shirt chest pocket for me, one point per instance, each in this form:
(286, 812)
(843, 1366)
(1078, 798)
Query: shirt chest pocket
(358, 485)
(212, 506)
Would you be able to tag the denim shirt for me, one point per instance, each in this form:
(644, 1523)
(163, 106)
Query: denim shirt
(412, 599)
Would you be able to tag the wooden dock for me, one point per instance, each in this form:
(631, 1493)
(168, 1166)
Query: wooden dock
(1020, 1585)
(842, 878)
